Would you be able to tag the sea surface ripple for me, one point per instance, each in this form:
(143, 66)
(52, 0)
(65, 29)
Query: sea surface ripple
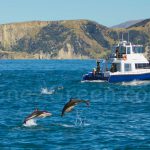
(118, 116)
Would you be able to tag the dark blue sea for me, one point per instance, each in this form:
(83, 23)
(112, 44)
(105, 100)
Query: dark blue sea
(118, 116)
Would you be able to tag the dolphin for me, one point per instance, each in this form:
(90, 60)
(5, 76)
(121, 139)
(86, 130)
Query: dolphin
(71, 104)
(37, 114)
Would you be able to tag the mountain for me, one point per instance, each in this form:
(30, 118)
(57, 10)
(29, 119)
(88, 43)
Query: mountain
(140, 23)
(71, 39)
(53, 40)
(126, 24)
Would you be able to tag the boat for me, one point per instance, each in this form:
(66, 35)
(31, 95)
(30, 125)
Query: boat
(126, 63)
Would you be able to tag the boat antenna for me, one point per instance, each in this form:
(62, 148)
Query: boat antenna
(128, 36)
(122, 37)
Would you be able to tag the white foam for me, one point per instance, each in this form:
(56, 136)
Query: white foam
(80, 121)
(94, 81)
(67, 125)
(74, 126)
(47, 91)
(87, 124)
(29, 123)
(135, 83)
(60, 88)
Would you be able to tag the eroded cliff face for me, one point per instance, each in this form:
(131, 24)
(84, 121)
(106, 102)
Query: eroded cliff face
(11, 33)
(74, 39)
(48, 40)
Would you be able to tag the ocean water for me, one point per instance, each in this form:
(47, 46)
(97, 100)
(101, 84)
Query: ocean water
(118, 116)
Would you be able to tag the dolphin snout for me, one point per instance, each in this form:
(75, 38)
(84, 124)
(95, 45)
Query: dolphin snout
(48, 114)
(45, 114)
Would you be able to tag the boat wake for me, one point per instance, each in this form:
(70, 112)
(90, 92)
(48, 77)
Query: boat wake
(135, 83)
(47, 91)
(94, 81)
(29, 123)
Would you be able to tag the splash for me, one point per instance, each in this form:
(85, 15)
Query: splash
(60, 88)
(80, 121)
(29, 123)
(47, 91)
(135, 83)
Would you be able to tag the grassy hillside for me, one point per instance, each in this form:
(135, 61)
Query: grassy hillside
(65, 39)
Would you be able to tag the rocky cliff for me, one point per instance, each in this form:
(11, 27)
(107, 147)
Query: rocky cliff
(65, 39)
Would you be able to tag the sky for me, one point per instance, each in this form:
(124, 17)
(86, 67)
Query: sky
(106, 12)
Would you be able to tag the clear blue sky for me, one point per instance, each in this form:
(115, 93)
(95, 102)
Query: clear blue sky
(106, 12)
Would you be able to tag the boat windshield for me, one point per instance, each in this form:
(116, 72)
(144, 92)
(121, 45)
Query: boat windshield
(122, 50)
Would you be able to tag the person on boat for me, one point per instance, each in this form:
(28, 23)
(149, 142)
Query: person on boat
(117, 52)
(113, 68)
(94, 71)
(98, 67)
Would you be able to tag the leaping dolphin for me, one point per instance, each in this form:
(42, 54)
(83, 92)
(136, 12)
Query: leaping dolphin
(71, 104)
(37, 114)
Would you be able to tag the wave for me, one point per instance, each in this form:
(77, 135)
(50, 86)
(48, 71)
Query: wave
(135, 83)
(29, 123)
(47, 91)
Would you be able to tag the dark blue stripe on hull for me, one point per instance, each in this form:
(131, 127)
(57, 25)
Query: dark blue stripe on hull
(91, 76)
(127, 78)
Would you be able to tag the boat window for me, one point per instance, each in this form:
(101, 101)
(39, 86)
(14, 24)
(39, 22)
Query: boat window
(128, 50)
(127, 67)
(123, 50)
(115, 67)
(118, 66)
(142, 66)
(137, 49)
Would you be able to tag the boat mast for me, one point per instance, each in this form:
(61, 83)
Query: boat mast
(128, 36)
(122, 37)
